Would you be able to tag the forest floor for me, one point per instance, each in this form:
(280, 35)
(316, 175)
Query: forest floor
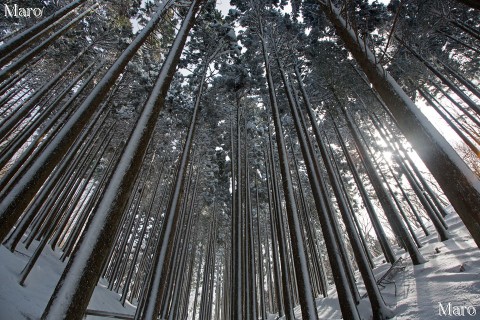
(28, 302)
(450, 277)
(437, 289)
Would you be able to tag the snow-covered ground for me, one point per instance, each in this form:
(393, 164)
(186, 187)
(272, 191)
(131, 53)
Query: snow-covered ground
(450, 277)
(28, 302)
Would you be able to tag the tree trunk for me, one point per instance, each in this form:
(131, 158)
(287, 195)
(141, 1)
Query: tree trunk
(466, 28)
(377, 226)
(28, 156)
(261, 279)
(442, 161)
(271, 208)
(22, 61)
(450, 122)
(387, 205)
(379, 126)
(20, 113)
(77, 283)
(467, 83)
(167, 235)
(380, 310)
(462, 95)
(12, 206)
(307, 302)
(278, 223)
(14, 145)
(23, 36)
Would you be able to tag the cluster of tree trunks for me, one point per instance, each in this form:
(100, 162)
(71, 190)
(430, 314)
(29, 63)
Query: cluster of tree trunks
(121, 212)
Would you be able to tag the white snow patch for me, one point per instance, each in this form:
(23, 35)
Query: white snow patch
(28, 302)
(452, 275)
(420, 289)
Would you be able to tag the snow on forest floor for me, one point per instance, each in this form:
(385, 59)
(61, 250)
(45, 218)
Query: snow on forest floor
(452, 275)
(28, 302)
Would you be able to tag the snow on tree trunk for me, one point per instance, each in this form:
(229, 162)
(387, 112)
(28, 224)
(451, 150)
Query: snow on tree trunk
(458, 182)
(23, 60)
(73, 292)
(388, 206)
(13, 203)
(22, 37)
(307, 302)
(380, 310)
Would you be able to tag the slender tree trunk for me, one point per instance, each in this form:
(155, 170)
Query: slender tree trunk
(399, 147)
(233, 303)
(444, 163)
(466, 28)
(177, 245)
(250, 236)
(307, 302)
(13, 204)
(310, 156)
(179, 275)
(42, 197)
(167, 235)
(347, 303)
(451, 122)
(475, 107)
(141, 238)
(465, 44)
(278, 222)
(237, 258)
(73, 293)
(462, 95)
(22, 61)
(436, 219)
(377, 226)
(271, 209)
(23, 36)
(310, 236)
(75, 203)
(350, 206)
(50, 223)
(14, 145)
(389, 208)
(469, 114)
(14, 119)
(379, 127)
(467, 83)
(261, 281)
(380, 310)
(39, 143)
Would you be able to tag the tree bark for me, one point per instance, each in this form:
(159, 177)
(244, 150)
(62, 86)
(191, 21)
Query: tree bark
(73, 292)
(462, 95)
(377, 226)
(443, 162)
(387, 205)
(23, 36)
(271, 207)
(22, 61)
(307, 302)
(13, 204)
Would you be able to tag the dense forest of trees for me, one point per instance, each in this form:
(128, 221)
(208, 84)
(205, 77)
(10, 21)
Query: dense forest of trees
(214, 166)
